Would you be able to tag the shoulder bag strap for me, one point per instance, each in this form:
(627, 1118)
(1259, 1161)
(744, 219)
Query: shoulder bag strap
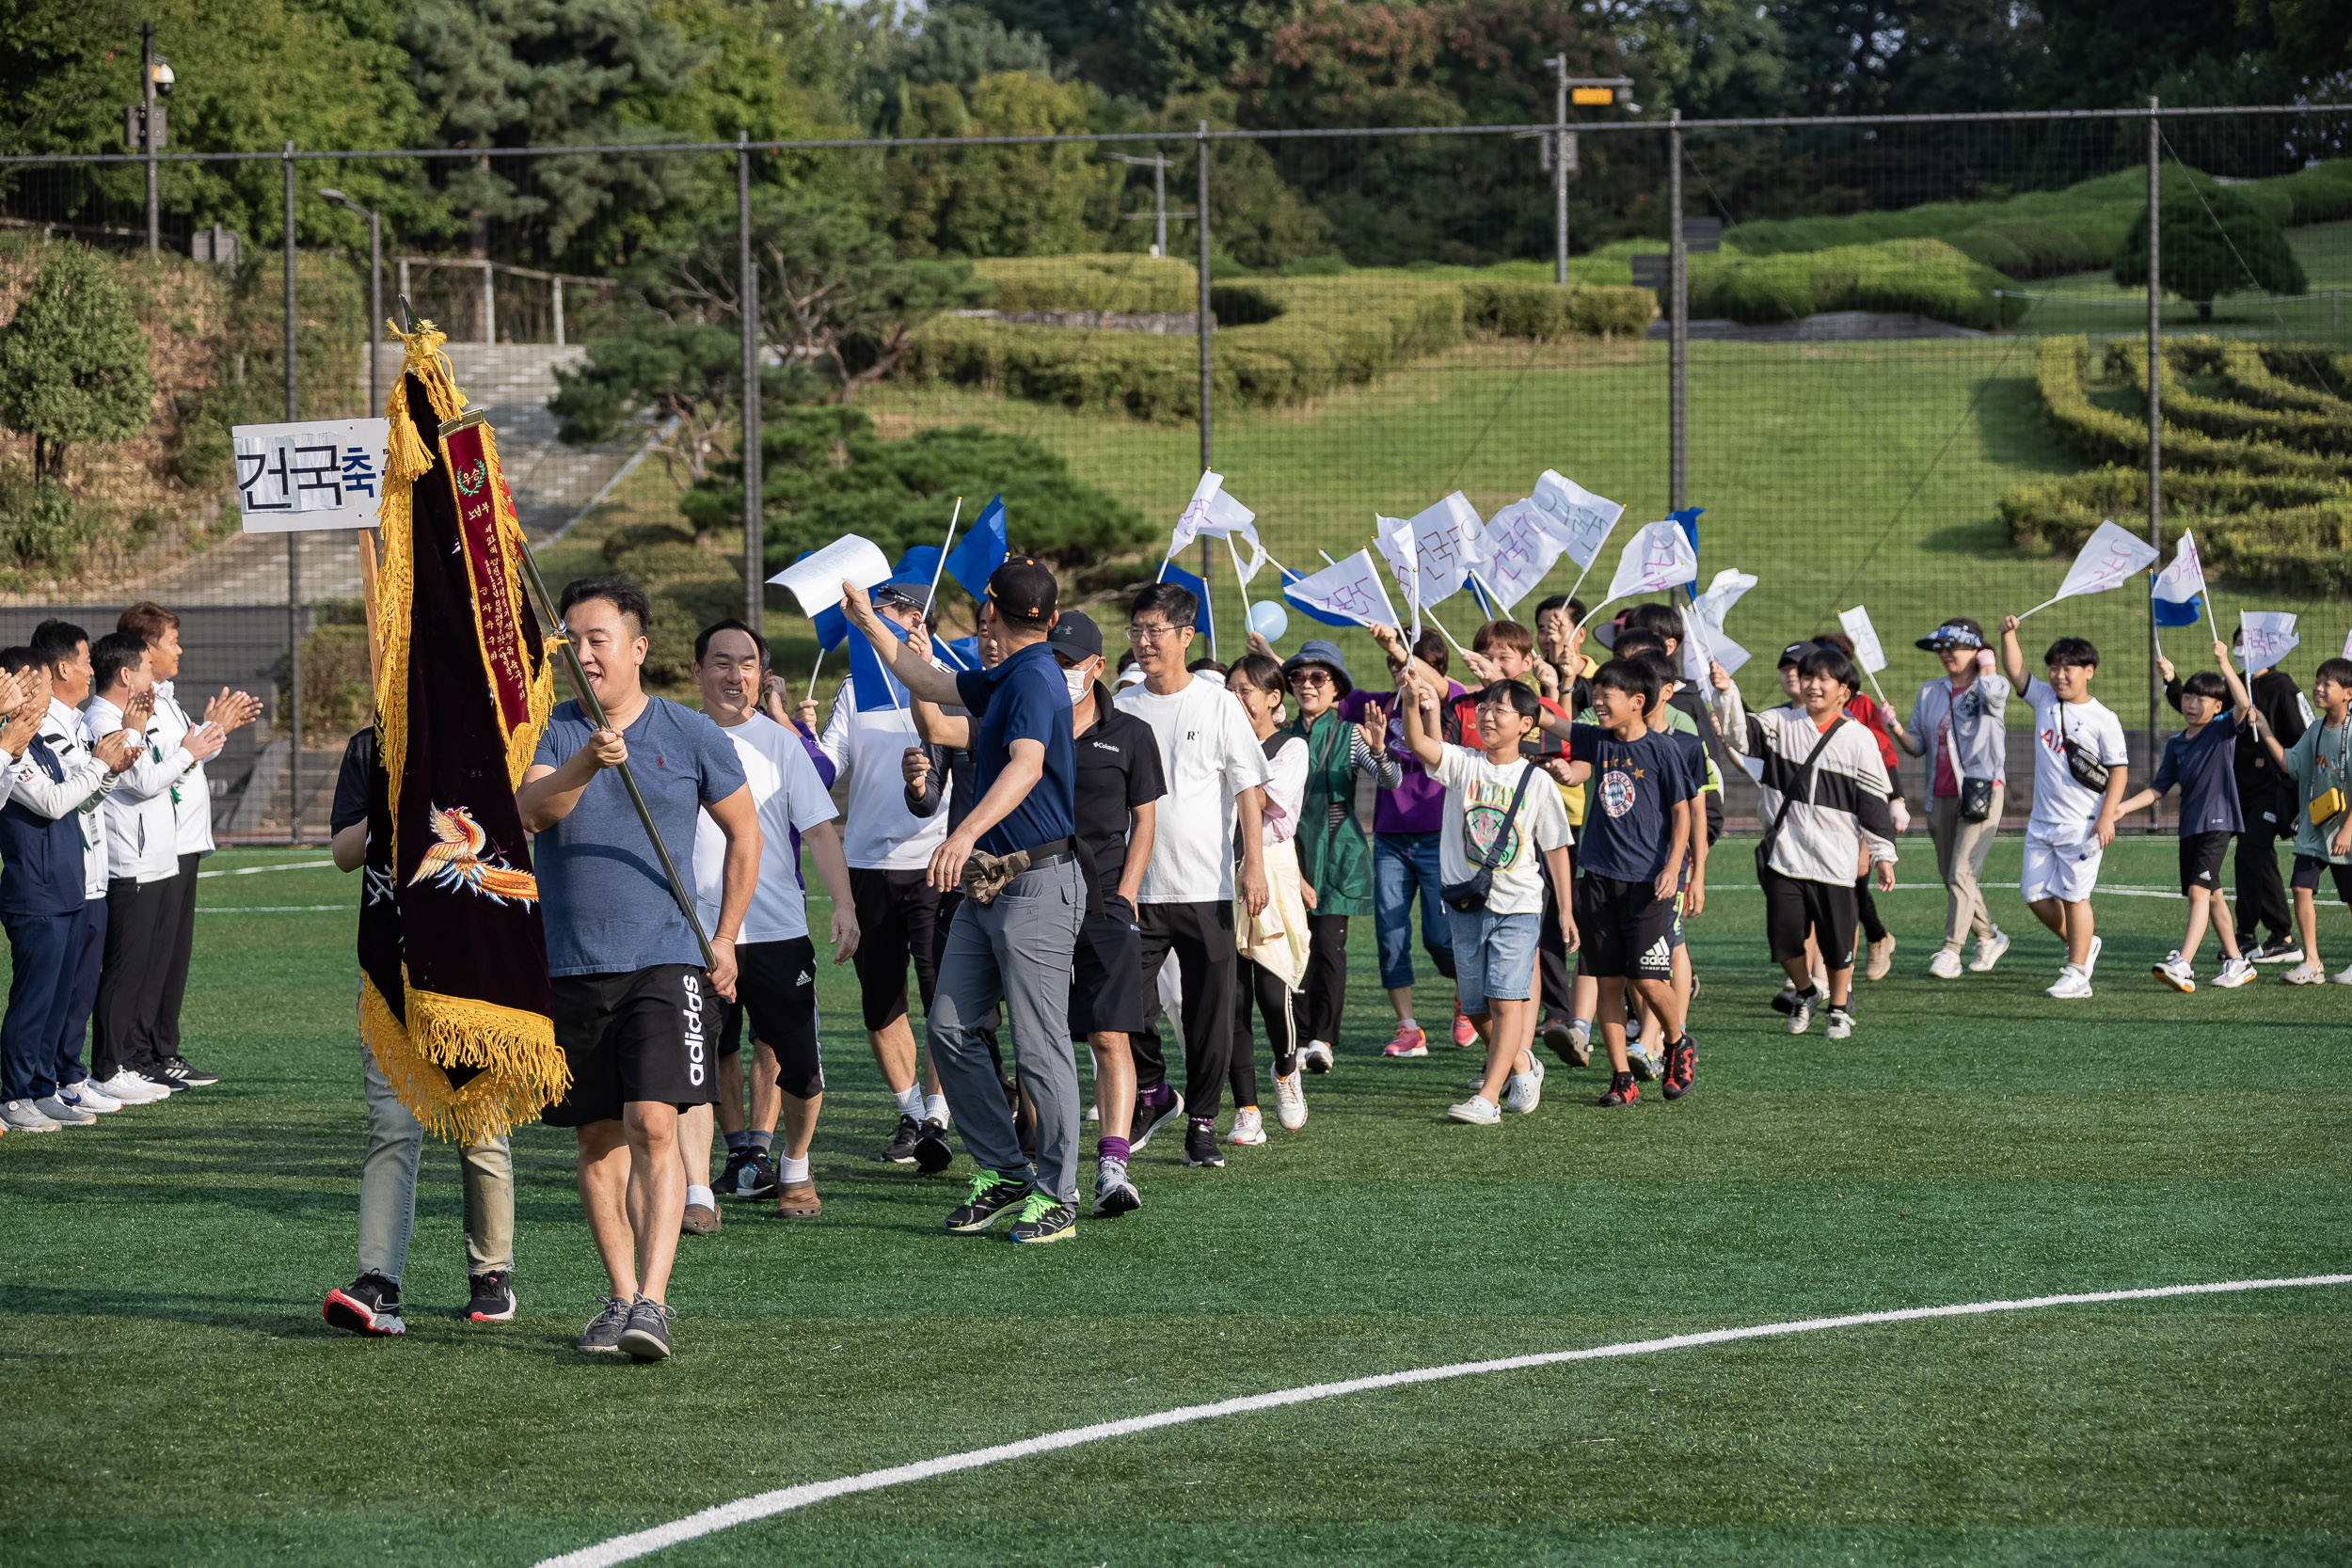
(1502, 834)
(1803, 781)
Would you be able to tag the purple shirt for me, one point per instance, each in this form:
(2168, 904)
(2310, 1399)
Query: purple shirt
(1416, 804)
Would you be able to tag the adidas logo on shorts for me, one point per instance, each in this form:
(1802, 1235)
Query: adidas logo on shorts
(1659, 957)
(805, 978)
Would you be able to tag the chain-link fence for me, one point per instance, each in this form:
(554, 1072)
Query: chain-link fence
(1912, 368)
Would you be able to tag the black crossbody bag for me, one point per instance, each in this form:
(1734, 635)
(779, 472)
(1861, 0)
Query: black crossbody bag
(2088, 771)
(1789, 800)
(1469, 895)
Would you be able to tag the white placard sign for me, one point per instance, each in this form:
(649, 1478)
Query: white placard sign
(1866, 651)
(816, 580)
(317, 474)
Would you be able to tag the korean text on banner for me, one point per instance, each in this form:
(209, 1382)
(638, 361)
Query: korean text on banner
(1574, 516)
(1660, 557)
(1514, 553)
(318, 474)
(2265, 637)
(1345, 593)
(1866, 651)
(1440, 542)
(816, 578)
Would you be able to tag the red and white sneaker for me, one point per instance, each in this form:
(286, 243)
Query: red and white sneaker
(1465, 1032)
(369, 1305)
(1409, 1041)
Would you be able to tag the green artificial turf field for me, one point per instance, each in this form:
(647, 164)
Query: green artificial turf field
(171, 1396)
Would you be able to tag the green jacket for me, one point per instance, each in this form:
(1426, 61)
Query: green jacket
(1333, 855)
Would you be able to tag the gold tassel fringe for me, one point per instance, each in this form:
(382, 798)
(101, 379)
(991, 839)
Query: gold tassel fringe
(522, 1068)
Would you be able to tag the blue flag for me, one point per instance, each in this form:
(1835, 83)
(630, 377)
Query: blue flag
(975, 558)
(1689, 519)
(875, 687)
(962, 654)
(1200, 590)
(1290, 576)
(2185, 612)
(918, 564)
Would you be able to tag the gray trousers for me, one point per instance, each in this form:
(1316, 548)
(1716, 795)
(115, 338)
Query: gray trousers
(388, 1188)
(1014, 952)
(1960, 851)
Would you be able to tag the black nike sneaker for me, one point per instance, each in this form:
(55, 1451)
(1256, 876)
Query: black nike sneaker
(899, 1150)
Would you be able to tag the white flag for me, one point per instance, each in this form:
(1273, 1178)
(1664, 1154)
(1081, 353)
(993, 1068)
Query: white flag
(1657, 558)
(1574, 516)
(1440, 541)
(1514, 552)
(1866, 651)
(2111, 557)
(2265, 637)
(816, 580)
(1350, 589)
(1214, 512)
(2348, 644)
(1707, 613)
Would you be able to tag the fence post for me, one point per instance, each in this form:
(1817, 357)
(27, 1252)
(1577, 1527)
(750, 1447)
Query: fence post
(557, 286)
(747, 289)
(1203, 326)
(294, 544)
(1677, 326)
(489, 306)
(2155, 408)
(1559, 64)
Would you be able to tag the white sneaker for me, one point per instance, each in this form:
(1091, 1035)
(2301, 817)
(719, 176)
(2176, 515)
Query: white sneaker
(1525, 1090)
(2091, 963)
(1094, 1112)
(1290, 1102)
(2234, 972)
(1801, 1012)
(23, 1115)
(2305, 974)
(1945, 965)
(1317, 1057)
(1249, 1128)
(1988, 951)
(57, 1110)
(1477, 1110)
(2345, 977)
(2073, 985)
(132, 1089)
(1840, 1023)
(2173, 971)
(89, 1097)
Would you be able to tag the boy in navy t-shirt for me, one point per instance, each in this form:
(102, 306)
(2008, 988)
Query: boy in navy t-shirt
(1638, 817)
(2202, 761)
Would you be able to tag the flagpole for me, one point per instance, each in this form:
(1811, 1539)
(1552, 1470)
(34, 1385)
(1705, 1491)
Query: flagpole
(941, 565)
(814, 668)
(2042, 606)
(1242, 584)
(586, 697)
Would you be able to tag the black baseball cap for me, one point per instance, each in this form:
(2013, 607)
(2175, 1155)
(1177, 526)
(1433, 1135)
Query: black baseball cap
(1795, 652)
(1078, 636)
(1952, 634)
(1023, 590)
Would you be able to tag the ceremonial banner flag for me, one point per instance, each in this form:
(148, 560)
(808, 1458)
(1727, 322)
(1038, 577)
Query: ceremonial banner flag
(1514, 552)
(919, 564)
(454, 1000)
(1574, 516)
(983, 550)
(1658, 557)
(2265, 637)
(1213, 512)
(2178, 594)
(2348, 644)
(1439, 551)
(2111, 557)
(1346, 594)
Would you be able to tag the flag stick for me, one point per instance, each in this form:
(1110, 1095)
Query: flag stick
(1326, 558)
(941, 565)
(811, 693)
(1874, 683)
(367, 587)
(2042, 606)
(586, 697)
(1233, 551)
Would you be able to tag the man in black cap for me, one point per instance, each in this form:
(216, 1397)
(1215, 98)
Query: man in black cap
(1119, 781)
(1016, 859)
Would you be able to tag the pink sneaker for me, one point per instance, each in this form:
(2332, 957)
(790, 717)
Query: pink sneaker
(1465, 1033)
(1408, 1042)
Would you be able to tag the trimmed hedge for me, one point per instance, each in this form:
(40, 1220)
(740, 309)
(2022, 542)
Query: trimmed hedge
(1125, 282)
(1926, 277)
(1547, 312)
(2303, 430)
(2268, 531)
(2259, 373)
(2096, 434)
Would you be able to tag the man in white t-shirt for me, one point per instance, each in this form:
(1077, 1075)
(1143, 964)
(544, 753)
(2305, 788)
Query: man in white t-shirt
(1216, 774)
(2072, 823)
(191, 807)
(776, 973)
(889, 852)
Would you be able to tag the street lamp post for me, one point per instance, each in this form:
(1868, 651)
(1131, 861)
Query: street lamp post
(1558, 146)
(143, 127)
(1159, 167)
(375, 288)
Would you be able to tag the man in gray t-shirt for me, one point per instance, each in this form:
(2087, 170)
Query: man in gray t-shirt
(631, 996)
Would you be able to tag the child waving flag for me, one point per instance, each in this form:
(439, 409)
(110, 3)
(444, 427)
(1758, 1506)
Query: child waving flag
(2200, 760)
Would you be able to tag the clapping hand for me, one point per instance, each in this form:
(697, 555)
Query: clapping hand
(1374, 727)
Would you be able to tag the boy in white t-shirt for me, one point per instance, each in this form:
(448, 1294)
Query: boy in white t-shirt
(1494, 947)
(775, 978)
(2073, 821)
(1216, 774)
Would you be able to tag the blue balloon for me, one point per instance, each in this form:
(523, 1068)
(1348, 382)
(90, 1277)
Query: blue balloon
(1269, 620)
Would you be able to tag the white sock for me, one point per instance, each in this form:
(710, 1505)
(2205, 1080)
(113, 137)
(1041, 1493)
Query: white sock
(911, 1102)
(935, 1109)
(791, 1170)
(701, 1196)
(1409, 1021)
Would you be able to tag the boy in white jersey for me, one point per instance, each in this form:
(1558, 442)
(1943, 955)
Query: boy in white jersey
(2078, 779)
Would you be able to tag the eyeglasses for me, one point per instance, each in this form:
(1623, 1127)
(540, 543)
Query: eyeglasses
(1148, 634)
(1311, 677)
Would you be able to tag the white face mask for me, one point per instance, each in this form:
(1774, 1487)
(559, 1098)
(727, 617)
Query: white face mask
(1079, 682)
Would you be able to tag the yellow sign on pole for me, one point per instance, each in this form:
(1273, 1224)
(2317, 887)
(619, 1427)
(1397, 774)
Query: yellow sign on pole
(1591, 97)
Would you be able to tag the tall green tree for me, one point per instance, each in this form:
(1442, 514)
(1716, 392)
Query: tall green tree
(2214, 243)
(74, 362)
(998, 200)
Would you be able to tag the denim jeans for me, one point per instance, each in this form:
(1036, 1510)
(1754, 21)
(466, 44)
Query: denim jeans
(1401, 863)
(388, 1188)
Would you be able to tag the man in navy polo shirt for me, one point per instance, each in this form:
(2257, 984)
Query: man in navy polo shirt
(1024, 898)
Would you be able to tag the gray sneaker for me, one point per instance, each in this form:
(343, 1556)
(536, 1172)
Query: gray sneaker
(647, 1335)
(603, 1332)
(23, 1115)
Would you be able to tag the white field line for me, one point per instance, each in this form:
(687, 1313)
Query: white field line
(256, 870)
(280, 908)
(625, 1549)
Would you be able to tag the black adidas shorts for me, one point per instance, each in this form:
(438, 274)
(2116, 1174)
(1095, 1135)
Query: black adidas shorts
(1628, 930)
(2200, 860)
(1795, 907)
(642, 1035)
(775, 982)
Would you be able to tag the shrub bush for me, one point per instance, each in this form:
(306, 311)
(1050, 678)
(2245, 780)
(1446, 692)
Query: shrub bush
(1545, 312)
(1927, 277)
(2097, 434)
(1131, 282)
(2305, 430)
